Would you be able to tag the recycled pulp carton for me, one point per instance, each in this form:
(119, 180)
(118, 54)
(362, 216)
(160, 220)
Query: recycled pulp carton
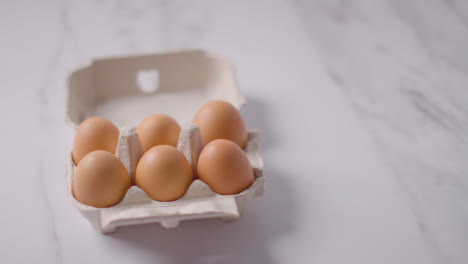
(125, 90)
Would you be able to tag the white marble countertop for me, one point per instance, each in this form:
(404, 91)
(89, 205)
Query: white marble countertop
(363, 107)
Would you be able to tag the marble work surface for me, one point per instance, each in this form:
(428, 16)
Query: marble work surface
(363, 108)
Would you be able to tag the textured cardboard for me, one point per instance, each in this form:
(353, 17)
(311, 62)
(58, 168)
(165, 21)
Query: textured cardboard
(126, 90)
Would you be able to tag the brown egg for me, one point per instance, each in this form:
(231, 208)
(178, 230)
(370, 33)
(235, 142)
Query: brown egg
(95, 133)
(224, 167)
(101, 180)
(158, 129)
(221, 120)
(164, 173)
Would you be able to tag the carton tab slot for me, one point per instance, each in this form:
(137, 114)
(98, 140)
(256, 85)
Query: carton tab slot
(148, 81)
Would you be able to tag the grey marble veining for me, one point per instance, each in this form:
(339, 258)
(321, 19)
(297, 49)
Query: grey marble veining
(363, 108)
(406, 78)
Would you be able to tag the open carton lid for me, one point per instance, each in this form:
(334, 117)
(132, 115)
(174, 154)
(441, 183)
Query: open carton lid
(125, 90)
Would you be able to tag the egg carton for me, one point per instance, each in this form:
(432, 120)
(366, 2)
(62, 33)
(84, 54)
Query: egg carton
(127, 89)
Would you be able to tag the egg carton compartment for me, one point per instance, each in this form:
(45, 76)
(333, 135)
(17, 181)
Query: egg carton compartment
(125, 91)
(198, 202)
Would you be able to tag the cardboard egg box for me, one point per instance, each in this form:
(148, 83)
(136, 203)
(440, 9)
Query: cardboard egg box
(125, 90)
